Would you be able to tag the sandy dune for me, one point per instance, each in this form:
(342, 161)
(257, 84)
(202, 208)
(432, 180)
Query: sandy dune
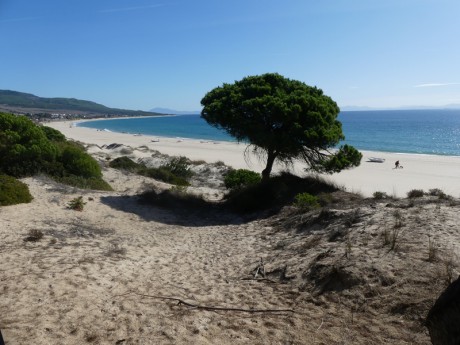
(359, 272)
(418, 172)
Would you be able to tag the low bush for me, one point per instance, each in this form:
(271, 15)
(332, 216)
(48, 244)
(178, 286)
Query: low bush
(76, 204)
(274, 193)
(178, 166)
(175, 199)
(34, 235)
(84, 183)
(240, 178)
(415, 193)
(439, 193)
(13, 191)
(176, 171)
(125, 163)
(380, 195)
(165, 175)
(53, 134)
(306, 201)
(27, 149)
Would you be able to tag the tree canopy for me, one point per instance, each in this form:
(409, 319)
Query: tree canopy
(283, 119)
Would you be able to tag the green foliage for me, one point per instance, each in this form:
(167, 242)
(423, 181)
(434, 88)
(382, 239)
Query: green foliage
(176, 199)
(77, 162)
(284, 119)
(84, 183)
(415, 193)
(13, 191)
(24, 148)
(27, 149)
(179, 166)
(124, 163)
(306, 201)
(165, 175)
(274, 193)
(237, 179)
(76, 204)
(53, 134)
(380, 195)
(176, 172)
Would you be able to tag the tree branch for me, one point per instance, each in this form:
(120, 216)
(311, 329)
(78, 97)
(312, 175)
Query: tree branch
(210, 308)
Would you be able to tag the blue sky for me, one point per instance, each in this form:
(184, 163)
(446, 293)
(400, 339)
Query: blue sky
(141, 54)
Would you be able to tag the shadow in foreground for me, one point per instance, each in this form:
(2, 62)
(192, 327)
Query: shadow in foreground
(241, 206)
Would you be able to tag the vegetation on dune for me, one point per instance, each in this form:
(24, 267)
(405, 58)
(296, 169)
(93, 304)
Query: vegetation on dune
(176, 171)
(306, 201)
(283, 120)
(76, 204)
(13, 191)
(28, 149)
(240, 178)
(276, 192)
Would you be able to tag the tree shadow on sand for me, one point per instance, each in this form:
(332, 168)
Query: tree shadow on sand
(174, 209)
(241, 206)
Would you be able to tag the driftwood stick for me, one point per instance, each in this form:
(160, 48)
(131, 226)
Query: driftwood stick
(211, 308)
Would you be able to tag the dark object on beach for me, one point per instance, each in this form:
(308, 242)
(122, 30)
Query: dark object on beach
(443, 320)
(396, 164)
(1, 339)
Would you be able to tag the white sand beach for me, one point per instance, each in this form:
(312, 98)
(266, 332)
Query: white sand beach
(418, 172)
(123, 272)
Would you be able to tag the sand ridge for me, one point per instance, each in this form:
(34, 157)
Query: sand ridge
(88, 280)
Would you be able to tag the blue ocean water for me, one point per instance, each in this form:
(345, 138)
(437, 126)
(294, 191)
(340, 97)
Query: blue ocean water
(403, 131)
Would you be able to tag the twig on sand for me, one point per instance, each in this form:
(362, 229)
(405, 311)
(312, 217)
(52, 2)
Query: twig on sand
(260, 269)
(210, 308)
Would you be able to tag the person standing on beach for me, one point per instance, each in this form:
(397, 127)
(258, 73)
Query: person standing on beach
(396, 164)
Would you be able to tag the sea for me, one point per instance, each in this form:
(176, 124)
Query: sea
(426, 131)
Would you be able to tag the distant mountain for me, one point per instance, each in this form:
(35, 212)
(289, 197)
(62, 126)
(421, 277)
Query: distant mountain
(15, 99)
(175, 112)
(355, 108)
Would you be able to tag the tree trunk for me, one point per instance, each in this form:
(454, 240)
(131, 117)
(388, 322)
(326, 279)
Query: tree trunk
(271, 155)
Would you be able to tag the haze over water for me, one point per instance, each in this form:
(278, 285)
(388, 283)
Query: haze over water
(403, 131)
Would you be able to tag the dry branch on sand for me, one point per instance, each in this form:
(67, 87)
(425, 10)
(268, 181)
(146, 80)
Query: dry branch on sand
(209, 308)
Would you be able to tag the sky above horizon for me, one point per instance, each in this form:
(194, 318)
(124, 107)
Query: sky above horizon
(142, 54)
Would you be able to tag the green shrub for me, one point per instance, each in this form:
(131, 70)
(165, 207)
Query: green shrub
(53, 134)
(175, 172)
(240, 178)
(175, 199)
(380, 195)
(84, 183)
(24, 148)
(306, 201)
(415, 193)
(273, 194)
(439, 193)
(125, 163)
(27, 149)
(76, 204)
(165, 175)
(77, 162)
(13, 191)
(179, 166)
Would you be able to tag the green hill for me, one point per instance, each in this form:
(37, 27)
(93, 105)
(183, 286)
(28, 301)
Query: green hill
(28, 101)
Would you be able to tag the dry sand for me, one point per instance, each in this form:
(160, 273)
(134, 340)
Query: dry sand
(418, 172)
(113, 273)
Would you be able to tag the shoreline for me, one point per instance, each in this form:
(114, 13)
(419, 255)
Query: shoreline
(420, 171)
